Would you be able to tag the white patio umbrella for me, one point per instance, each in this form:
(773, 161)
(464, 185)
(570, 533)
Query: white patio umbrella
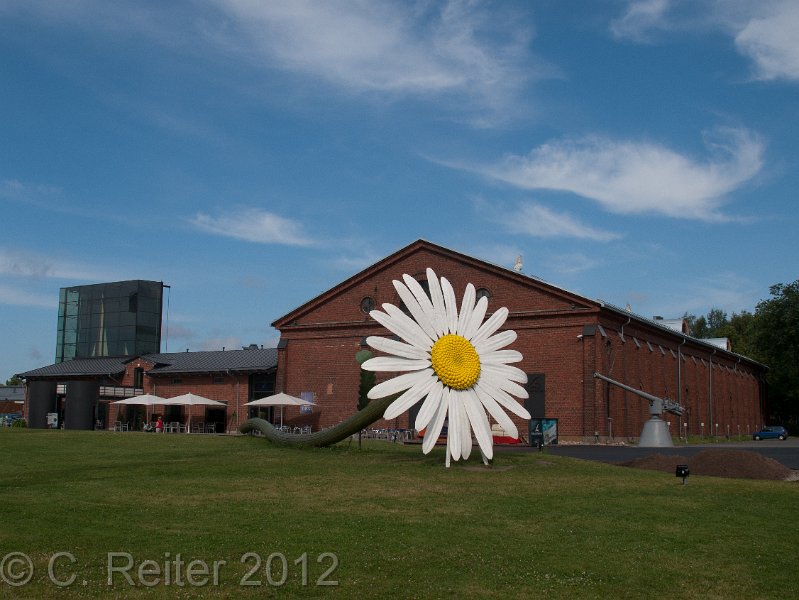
(280, 400)
(142, 400)
(191, 400)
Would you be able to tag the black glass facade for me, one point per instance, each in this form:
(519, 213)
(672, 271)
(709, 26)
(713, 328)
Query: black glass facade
(109, 319)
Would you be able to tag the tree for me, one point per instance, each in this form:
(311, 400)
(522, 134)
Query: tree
(696, 325)
(740, 331)
(367, 383)
(716, 320)
(15, 380)
(776, 340)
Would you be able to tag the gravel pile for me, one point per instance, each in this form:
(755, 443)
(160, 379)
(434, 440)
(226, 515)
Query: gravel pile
(719, 463)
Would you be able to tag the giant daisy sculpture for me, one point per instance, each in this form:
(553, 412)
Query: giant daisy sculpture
(453, 360)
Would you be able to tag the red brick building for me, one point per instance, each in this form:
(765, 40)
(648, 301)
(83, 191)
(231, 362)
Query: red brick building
(82, 391)
(565, 338)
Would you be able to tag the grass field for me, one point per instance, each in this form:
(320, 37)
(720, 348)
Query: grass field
(382, 522)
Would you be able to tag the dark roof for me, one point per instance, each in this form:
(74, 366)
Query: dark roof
(80, 367)
(218, 361)
(261, 359)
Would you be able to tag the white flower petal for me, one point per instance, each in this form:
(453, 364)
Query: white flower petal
(493, 323)
(476, 318)
(495, 410)
(495, 342)
(429, 406)
(504, 399)
(396, 348)
(450, 305)
(391, 363)
(426, 303)
(506, 371)
(513, 388)
(454, 424)
(418, 313)
(410, 330)
(479, 421)
(437, 299)
(398, 384)
(500, 357)
(431, 433)
(409, 398)
(411, 335)
(467, 308)
(466, 430)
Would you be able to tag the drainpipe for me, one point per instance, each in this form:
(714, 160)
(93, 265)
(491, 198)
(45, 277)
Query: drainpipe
(679, 372)
(710, 389)
(624, 363)
(237, 380)
(629, 318)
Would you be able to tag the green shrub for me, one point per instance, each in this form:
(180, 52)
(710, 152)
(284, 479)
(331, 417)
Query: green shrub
(19, 423)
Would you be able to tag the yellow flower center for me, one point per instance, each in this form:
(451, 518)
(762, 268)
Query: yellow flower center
(455, 361)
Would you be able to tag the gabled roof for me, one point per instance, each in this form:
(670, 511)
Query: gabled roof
(81, 367)
(218, 361)
(424, 245)
(523, 279)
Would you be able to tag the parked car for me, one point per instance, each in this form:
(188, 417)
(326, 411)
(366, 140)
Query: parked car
(770, 433)
(8, 419)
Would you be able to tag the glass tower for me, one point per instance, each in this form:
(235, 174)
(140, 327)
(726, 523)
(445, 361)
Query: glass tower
(109, 319)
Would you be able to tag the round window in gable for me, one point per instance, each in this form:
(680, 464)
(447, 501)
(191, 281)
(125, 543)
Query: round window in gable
(483, 293)
(367, 305)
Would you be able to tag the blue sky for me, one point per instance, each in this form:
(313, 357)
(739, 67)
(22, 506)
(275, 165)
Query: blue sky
(253, 154)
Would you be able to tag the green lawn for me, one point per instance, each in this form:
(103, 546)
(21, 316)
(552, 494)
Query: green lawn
(386, 521)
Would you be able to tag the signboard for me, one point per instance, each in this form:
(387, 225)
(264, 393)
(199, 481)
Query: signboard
(52, 420)
(543, 432)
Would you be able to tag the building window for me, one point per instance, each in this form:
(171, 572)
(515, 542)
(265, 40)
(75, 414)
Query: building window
(138, 377)
(367, 305)
(483, 293)
(176, 381)
(219, 379)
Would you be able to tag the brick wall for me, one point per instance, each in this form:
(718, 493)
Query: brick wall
(322, 337)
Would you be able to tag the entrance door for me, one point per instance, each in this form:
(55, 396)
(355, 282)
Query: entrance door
(535, 404)
(216, 416)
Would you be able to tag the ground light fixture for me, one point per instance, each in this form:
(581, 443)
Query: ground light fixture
(683, 471)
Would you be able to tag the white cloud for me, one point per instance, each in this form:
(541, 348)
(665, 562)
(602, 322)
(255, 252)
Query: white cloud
(229, 343)
(23, 263)
(771, 40)
(641, 17)
(764, 31)
(502, 255)
(539, 221)
(475, 52)
(697, 295)
(629, 177)
(34, 194)
(16, 296)
(570, 263)
(400, 49)
(254, 225)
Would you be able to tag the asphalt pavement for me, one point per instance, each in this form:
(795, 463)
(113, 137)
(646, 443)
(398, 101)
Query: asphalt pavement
(785, 452)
